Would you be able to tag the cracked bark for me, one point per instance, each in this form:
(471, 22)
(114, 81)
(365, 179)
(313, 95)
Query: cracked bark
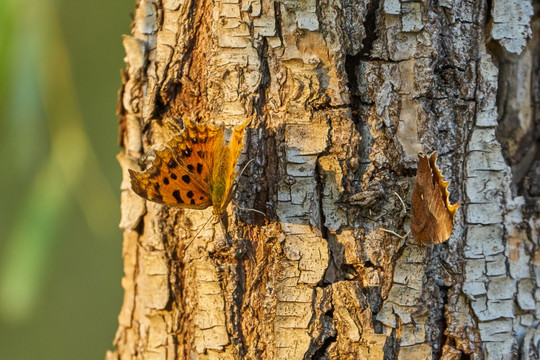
(345, 94)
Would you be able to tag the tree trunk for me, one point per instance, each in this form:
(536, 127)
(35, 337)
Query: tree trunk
(343, 96)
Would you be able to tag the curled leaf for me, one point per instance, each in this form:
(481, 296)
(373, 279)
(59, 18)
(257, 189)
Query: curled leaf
(432, 212)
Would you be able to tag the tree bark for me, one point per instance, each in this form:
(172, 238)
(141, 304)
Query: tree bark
(343, 96)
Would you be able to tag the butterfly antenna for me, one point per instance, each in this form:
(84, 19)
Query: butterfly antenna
(245, 167)
(248, 209)
(198, 232)
(235, 184)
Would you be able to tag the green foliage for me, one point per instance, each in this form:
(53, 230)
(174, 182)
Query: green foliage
(59, 177)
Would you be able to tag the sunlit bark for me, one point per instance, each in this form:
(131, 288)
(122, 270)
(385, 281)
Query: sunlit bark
(343, 96)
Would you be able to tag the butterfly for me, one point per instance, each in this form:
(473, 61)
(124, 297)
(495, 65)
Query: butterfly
(432, 212)
(195, 170)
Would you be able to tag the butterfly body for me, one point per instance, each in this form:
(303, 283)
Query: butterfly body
(195, 170)
(221, 185)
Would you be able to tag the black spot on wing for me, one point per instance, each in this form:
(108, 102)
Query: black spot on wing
(192, 201)
(172, 164)
(190, 194)
(174, 177)
(199, 168)
(166, 180)
(186, 179)
(194, 140)
(190, 167)
(176, 195)
(201, 154)
(187, 152)
(156, 187)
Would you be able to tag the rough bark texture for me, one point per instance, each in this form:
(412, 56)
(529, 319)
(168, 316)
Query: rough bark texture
(344, 95)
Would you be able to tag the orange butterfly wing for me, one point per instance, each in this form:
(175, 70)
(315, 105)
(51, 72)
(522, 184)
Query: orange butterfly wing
(196, 147)
(179, 175)
(167, 182)
(195, 170)
(223, 174)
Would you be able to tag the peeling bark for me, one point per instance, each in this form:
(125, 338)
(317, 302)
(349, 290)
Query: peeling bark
(343, 97)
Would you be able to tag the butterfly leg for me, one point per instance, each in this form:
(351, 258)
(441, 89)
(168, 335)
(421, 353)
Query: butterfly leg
(198, 232)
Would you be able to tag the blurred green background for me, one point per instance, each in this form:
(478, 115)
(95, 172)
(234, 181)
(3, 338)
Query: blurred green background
(60, 246)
